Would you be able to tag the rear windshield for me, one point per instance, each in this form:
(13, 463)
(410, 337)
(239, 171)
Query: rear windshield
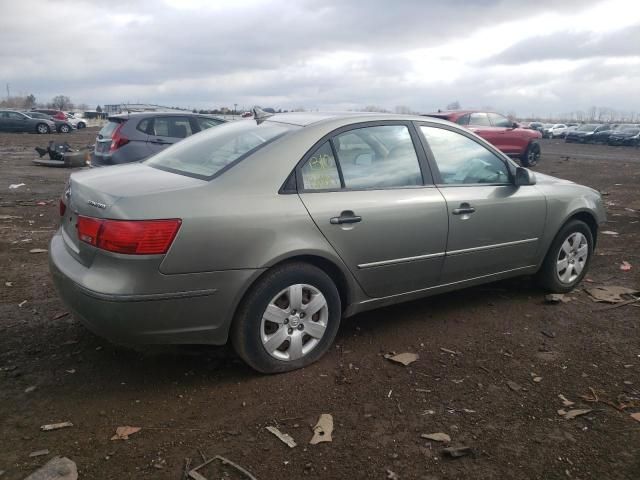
(208, 153)
(108, 129)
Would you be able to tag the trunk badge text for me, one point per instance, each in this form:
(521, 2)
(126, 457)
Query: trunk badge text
(96, 204)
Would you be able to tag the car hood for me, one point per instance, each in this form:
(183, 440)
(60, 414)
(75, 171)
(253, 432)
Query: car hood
(544, 179)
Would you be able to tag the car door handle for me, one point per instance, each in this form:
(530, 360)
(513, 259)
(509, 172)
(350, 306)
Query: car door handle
(158, 140)
(463, 209)
(345, 217)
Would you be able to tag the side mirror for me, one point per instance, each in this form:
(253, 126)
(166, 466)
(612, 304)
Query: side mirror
(524, 176)
(515, 125)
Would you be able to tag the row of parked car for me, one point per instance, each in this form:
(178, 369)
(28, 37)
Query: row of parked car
(39, 121)
(607, 133)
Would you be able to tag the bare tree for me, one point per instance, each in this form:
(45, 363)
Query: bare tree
(402, 109)
(61, 102)
(454, 105)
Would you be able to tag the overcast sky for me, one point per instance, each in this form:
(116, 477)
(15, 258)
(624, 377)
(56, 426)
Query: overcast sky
(539, 57)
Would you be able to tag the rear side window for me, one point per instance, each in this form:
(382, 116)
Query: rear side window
(175, 127)
(207, 154)
(463, 120)
(378, 157)
(320, 172)
(146, 126)
(205, 123)
(108, 129)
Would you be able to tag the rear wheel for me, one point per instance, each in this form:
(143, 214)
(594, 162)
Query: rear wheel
(288, 320)
(568, 259)
(64, 129)
(531, 156)
(42, 128)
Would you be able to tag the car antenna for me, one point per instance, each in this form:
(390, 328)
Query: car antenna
(260, 115)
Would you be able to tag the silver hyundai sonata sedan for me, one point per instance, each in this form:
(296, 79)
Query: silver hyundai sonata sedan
(269, 231)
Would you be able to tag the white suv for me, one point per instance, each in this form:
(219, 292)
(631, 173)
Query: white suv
(557, 130)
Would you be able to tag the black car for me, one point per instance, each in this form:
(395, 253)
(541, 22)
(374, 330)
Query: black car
(132, 137)
(628, 136)
(12, 121)
(603, 135)
(62, 126)
(584, 133)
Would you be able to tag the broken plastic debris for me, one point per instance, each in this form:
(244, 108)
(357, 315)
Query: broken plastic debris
(56, 469)
(15, 186)
(437, 437)
(122, 433)
(323, 429)
(287, 439)
(38, 250)
(55, 426)
(403, 358)
(625, 266)
(39, 453)
(609, 232)
(636, 416)
(571, 414)
(457, 452)
(610, 294)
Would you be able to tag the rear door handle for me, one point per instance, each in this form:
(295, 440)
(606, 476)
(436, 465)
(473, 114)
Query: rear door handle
(345, 217)
(464, 208)
(159, 140)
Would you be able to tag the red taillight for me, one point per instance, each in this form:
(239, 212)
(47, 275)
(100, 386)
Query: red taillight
(136, 237)
(117, 139)
(62, 207)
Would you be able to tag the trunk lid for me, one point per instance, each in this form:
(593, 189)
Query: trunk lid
(96, 193)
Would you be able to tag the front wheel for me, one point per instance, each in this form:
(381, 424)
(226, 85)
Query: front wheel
(288, 320)
(568, 258)
(42, 128)
(531, 156)
(81, 125)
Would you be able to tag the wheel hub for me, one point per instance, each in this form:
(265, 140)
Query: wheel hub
(294, 320)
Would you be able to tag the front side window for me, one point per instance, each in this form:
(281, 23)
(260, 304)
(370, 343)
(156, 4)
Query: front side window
(378, 157)
(16, 116)
(479, 120)
(175, 127)
(463, 120)
(500, 120)
(206, 154)
(462, 160)
(320, 172)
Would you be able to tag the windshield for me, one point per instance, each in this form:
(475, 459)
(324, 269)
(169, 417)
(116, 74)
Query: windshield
(208, 153)
(587, 128)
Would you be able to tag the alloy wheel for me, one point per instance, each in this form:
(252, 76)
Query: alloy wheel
(572, 257)
(43, 128)
(294, 322)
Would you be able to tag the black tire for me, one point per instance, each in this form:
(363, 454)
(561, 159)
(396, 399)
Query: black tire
(64, 129)
(548, 276)
(247, 323)
(531, 156)
(81, 125)
(43, 128)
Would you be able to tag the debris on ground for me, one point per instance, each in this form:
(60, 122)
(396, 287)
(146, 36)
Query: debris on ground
(609, 232)
(565, 401)
(323, 429)
(537, 379)
(403, 358)
(391, 475)
(446, 350)
(122, 433)
(195, 475)
(8, 284)
(554, 298)
(39, 453)
(625, 266)
(60, 315)
(22, 304)
(285, 438)
(547, 333)
(58, 468)
(15, 186)
(38, 250)
(636, 416)
(571, 414)
(610, 294)
(30, 389)
(55, 426)
(437, 437)
(457, 452)
(513, 386)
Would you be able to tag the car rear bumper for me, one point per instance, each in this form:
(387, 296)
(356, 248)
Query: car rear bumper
(200, 314)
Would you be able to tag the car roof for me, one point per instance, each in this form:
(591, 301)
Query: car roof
(304, 119)
(161, 114)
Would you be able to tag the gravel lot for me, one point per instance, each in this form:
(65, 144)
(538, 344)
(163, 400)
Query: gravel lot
(192, 400)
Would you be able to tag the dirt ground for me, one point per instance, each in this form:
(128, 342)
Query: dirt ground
(192, 400)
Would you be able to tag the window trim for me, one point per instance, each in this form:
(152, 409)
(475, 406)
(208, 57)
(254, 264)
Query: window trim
(471, 136)
(423, 164)
(186, 117)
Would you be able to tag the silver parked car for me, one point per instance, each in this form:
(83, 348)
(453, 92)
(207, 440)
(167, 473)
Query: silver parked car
(268, 231)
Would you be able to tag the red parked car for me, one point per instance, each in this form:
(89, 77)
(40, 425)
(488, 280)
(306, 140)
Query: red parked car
(500, 131)
(57, 114)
